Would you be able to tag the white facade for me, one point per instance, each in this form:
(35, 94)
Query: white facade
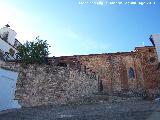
(11, 34)
(9, 42)
(8, 81)
(5, 47)
(156, 40)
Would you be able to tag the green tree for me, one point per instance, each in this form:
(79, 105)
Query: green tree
(34, 52)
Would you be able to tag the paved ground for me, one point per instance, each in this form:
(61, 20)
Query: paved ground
(142, 110)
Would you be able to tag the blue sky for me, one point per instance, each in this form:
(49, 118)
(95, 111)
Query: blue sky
(73, 29)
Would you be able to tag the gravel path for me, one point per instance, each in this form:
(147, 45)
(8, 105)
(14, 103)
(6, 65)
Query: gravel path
(141, 110)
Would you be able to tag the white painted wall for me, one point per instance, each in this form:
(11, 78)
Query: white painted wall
(8, 81)
(156, 39)
(5, 46)
(11, 35)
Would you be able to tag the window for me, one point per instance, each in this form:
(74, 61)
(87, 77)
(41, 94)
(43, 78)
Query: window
(131, 73)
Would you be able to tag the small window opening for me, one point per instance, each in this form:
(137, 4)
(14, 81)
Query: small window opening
(131, 73)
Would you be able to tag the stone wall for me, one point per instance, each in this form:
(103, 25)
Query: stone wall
(113, 70)
(81, 75)
(100, 64)
(13, 66)
(129, 62)
(42, 85)
(149, 62)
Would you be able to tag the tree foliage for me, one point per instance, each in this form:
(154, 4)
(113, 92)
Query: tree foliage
(11, 52)
(34, 52)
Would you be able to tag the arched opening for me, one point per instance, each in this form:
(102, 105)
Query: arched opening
(131, 73)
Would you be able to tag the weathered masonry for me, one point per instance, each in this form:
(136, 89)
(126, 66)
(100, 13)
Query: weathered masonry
(43, 84)
(118, 71)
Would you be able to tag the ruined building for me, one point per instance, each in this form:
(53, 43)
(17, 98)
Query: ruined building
(118, 71)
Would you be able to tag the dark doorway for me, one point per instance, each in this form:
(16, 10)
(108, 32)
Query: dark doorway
(100, 86)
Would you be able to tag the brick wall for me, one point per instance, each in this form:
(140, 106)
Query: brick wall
(149, 61)
(113, 69)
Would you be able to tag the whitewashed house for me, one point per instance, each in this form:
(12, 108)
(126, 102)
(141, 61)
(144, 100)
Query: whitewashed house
(8, 78)
(8, 43)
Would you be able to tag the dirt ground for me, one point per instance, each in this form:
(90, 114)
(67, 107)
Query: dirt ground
(139, 110)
